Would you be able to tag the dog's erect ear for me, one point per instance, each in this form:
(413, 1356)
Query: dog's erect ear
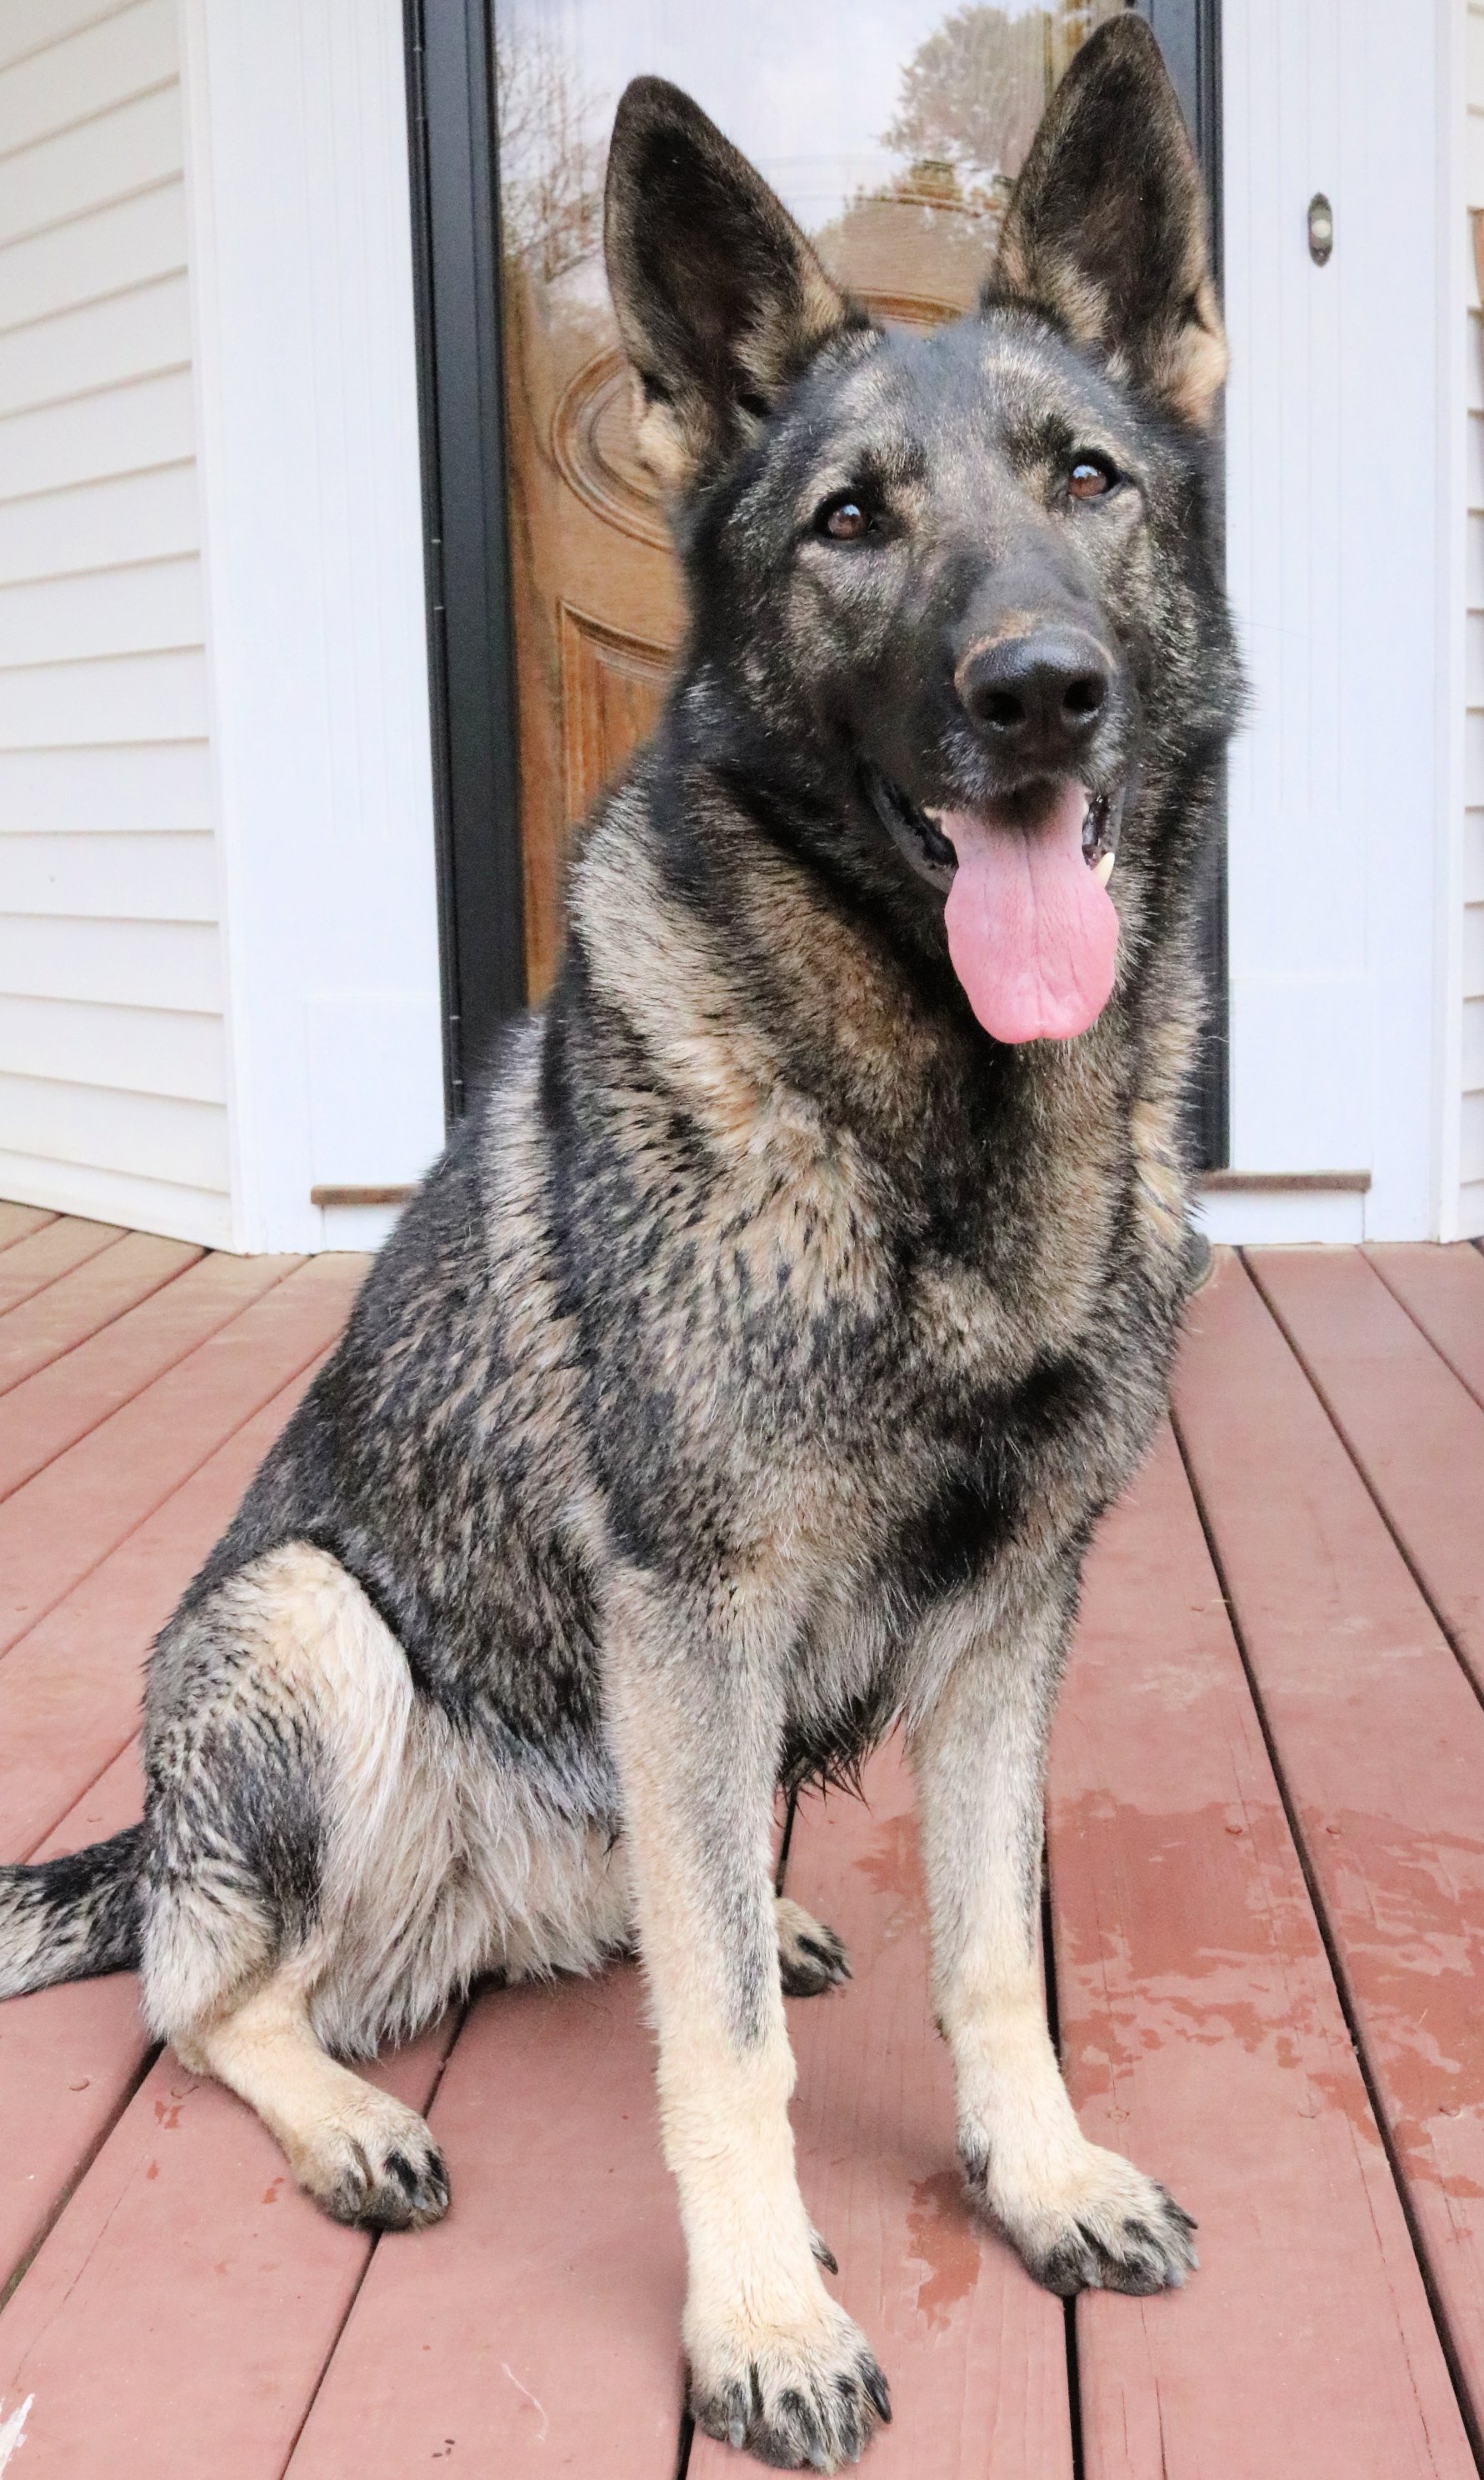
(720, 299)
(1106, 227)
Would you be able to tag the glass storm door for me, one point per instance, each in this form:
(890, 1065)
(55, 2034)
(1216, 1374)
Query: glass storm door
(892, 129)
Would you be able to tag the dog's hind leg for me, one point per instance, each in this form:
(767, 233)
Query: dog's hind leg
(363, 2155)
(292, 1868)
(1081, 2218)
(695, 1710)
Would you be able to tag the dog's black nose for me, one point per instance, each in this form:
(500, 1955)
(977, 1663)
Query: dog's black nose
(1038, 695)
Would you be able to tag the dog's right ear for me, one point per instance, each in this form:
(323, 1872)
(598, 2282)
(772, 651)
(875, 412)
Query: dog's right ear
(720, 299)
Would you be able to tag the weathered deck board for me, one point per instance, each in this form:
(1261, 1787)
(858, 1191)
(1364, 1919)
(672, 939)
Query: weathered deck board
(84, 1301)
(1443, 1290)
(50, 1411)
(1413, 1428)
(1380, 1744)
(1203, 2036)
(15, 1221)
(69, 2057)
(177, 2318)
(37, 1258)
(60, 1523)
(69, 1689)
(69, 1700)
(180, 2322)
(538, 2328)
(975, 2353)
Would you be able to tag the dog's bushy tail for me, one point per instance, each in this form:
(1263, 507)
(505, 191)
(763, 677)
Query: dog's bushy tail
(69, 1919)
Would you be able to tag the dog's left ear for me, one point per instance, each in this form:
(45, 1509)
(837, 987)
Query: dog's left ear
(1107, 226)
(720, 299)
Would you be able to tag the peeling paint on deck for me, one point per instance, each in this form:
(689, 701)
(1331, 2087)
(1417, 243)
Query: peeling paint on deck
(12, 2431)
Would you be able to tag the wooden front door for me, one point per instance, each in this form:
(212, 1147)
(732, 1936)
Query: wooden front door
(900, 188)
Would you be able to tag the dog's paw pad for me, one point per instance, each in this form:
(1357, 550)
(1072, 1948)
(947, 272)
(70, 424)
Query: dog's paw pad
(801, 2404)
(812, 1958)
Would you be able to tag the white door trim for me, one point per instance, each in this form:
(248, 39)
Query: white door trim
(306, 373)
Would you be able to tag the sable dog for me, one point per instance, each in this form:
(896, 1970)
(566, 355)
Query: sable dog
(751, 1373)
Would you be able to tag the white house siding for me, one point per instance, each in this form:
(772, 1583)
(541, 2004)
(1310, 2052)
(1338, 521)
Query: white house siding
(1470, 1138)
(112, 1078)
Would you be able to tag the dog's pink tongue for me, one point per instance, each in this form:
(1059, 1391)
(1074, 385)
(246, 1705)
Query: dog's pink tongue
(1032, 937)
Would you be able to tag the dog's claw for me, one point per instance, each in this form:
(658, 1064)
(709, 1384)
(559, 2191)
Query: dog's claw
(832, 1959)
(876, 2387)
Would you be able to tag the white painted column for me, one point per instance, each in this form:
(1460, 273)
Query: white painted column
(301, 275)
(1340, 563)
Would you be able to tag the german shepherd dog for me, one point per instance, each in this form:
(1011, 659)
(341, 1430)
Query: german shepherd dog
(749, 1374)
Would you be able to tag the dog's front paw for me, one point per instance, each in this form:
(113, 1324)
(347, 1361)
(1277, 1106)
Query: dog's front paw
(812, 1958)
(374, 2163)
(800, 2400)
(1092, 2222)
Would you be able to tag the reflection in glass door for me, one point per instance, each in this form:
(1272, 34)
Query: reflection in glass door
(891, 129)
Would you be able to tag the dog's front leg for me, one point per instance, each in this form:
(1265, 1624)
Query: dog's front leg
(1081, 2218)
(695, 1714)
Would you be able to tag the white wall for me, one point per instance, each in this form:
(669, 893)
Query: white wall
(300, 255)
(1339, 823)
(112, 1072)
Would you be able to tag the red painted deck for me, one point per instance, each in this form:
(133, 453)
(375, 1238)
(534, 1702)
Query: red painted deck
(1266, 1926)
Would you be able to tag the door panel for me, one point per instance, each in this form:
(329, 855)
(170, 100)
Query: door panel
(612, 687)
(891, 128)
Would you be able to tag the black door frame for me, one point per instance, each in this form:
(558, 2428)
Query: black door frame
(453, 147)
(455, 228)
(1189, 36)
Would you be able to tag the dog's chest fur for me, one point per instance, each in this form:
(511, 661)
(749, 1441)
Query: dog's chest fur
(868, 1297)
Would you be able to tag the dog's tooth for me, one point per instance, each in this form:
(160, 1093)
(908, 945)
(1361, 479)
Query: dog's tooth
(1103, 870)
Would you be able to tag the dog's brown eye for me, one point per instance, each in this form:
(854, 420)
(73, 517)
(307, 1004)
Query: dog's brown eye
(1089, 477)
(843, 520)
